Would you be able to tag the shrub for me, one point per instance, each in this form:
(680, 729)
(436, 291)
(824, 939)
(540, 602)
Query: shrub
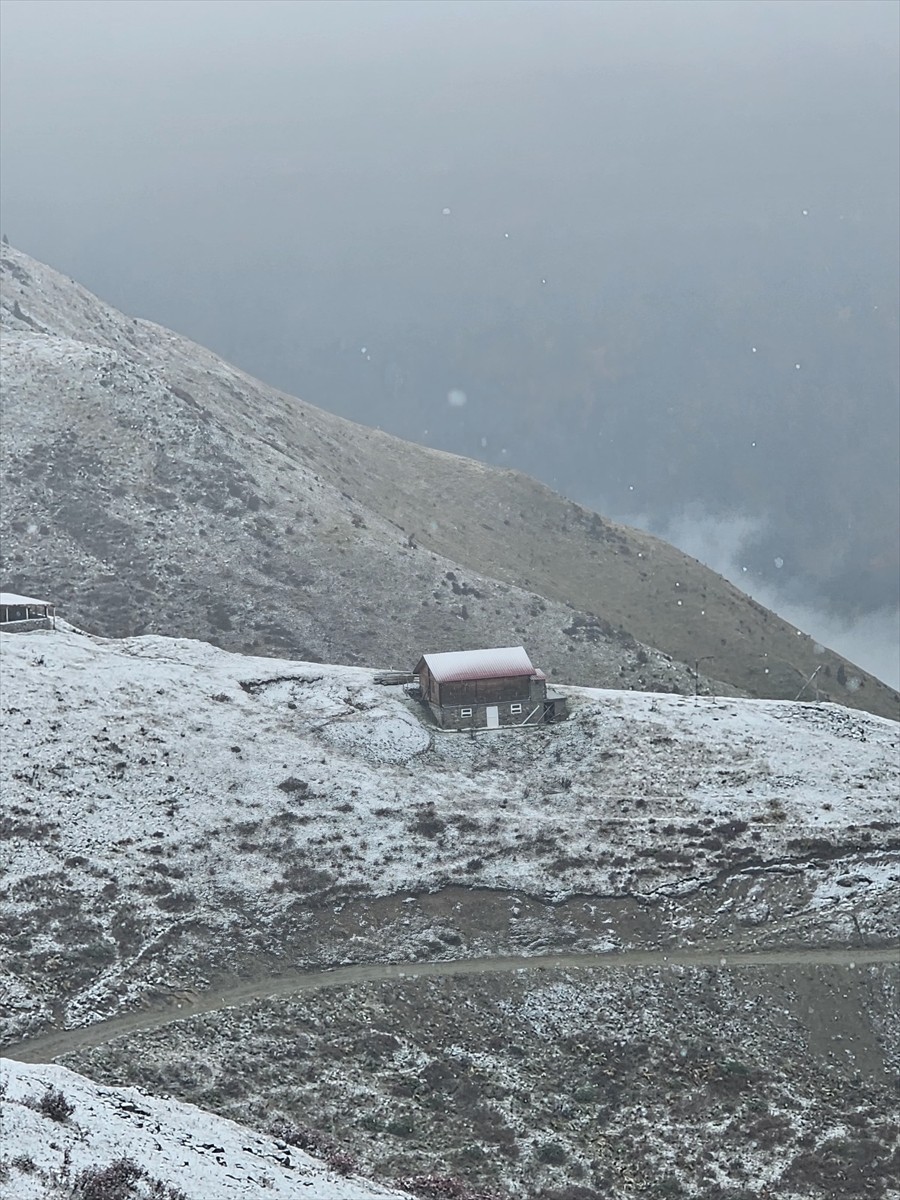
(443, 1187)
(112, 1182)
(427, 823)
(472, 1153)
(341, 1162)
(669, 1186)
(732, 1077)
(731, 829)
(400, 1126)
(314, 1141)
(177, 902)
(56, 1105)
(292, 784)
(551, 1153)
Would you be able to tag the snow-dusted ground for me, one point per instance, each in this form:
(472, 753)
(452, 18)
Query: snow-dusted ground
(192, 1153)
(129, 452)
(154, 786)
(135, 452)
(689, 1080)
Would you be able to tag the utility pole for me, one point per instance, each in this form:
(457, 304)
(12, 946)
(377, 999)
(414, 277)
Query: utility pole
(808, 682)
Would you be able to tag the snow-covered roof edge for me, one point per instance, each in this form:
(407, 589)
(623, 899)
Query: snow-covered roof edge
(453, 666)
(10, 599)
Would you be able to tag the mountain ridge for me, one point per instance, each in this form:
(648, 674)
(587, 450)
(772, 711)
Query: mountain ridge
(153, 488)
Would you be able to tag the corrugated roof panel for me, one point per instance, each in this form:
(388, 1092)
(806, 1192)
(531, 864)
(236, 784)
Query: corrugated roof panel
(456, 665)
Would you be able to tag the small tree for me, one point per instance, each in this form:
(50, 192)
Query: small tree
(56, 1105)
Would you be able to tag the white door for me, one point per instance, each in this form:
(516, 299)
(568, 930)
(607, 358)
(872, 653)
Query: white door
(492, 716)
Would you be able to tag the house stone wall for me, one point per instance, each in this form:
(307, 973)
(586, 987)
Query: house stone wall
(26, 626)
(450, 716)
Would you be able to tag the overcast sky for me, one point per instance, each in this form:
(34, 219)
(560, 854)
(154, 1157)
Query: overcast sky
(376, 204)
(171, 141)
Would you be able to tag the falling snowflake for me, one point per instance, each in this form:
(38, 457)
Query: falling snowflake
(445, 212)
(456, 398)
(779, 563)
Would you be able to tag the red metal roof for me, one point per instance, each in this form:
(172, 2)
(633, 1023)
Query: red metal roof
(456, 665)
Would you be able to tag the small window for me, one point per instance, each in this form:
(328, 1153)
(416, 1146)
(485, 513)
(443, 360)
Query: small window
(465, 712)
(515, 708)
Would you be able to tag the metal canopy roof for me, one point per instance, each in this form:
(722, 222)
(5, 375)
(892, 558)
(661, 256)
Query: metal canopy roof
(454, 666)
(11, 600)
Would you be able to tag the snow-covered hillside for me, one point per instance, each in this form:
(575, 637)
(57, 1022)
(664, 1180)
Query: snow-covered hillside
(129, 451)
(150, 487)
(183, 1152)
(170, 810)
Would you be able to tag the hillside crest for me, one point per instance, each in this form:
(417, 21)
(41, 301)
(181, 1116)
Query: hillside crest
(149, 487)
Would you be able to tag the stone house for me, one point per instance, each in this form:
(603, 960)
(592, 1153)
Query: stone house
(19, 614)
(486, 689)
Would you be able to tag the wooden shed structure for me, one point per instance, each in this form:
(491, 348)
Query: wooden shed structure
(18, 614)
(486, 689)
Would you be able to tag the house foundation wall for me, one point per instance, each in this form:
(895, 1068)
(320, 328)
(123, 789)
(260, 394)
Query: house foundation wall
(451, 716)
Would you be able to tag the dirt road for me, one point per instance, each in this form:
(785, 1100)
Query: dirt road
(47, 1047)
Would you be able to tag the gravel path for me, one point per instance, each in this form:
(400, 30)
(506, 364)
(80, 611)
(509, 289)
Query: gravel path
(50, 1046)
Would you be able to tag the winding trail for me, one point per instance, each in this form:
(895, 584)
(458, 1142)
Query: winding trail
(47, 1047)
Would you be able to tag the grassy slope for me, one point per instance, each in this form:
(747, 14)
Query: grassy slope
(188, 461)
(507, 525)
